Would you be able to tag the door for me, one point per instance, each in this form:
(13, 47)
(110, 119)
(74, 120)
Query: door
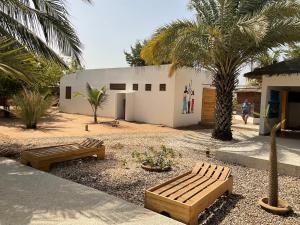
(208, 105)
(121, 106)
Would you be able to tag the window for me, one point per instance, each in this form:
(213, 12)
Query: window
(148, 87)
(162, 87)
(117, 86)
(135, 87)
(68, 92)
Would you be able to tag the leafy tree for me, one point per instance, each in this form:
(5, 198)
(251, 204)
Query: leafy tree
(225, 36)
(268, 57)
(50, 74)
(133, 58)
(39, 25)
(293, 51)
(95, 97)
(73, 66)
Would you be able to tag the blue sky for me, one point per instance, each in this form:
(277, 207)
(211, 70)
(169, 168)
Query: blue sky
(108, 27)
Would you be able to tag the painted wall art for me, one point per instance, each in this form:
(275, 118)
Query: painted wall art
(188, 104)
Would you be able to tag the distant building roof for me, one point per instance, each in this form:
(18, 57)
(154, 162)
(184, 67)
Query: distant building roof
(281, 68)
(248, 89)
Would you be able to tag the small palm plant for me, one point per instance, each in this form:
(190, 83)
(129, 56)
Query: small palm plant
(31, 106)
(95, 97)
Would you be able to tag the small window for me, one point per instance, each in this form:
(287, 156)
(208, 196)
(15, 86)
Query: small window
(68, 92)
(148, 87)
(135, 87)
(162, 87)
(117, 86)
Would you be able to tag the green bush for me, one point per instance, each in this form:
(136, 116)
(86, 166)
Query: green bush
(30, 106)
(162, 159)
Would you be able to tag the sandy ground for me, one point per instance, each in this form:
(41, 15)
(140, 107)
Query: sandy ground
(62, 125)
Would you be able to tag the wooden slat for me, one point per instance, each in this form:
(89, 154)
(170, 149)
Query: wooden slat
(174, 183)
(226, 172)
(196, 190)
(188, 188)
(218, 172)
(210, 171)
(204, 192)
(151, 189)
(204, 169)
(197, 168)
(180, 186)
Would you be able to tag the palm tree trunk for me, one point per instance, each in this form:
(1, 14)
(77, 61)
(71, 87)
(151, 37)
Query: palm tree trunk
(225, 85)
(273, 176)
(95, 115)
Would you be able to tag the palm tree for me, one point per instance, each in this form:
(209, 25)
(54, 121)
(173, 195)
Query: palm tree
(225, 35)
(16, 62)
(95, 97)
(40, 25)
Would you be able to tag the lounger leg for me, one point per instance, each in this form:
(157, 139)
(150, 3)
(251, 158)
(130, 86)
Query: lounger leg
(44, 167)
(101, 154)
(23, 161)
(194, 220)
(230, 185)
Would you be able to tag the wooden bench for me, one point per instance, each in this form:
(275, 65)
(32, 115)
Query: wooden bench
(185, 197)
(42, 158)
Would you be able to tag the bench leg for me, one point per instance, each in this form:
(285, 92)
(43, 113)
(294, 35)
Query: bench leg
(230, 185)
(194, 220)
(101, 154)
(44, 167)
(24, 161)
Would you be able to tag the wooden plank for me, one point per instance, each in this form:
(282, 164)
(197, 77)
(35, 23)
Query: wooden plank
(225, 173)
(213, 191)
(204, 169)
(174, 183)
(196, 190)
(197, 167)
(180, 186)
(218, 172)
(168, 182)
(188, 188)
(210, 171)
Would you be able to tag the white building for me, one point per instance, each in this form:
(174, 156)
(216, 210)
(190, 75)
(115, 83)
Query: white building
(281, 92)
(141, 94)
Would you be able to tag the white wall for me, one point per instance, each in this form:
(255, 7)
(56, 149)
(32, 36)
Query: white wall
(152, 107)
(274, 83)
(199, 80)
(155, 106)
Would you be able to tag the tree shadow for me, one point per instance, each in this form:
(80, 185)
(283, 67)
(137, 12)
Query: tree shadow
(216, 213)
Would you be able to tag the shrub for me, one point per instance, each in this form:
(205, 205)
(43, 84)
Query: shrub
(31, 106)
(161, 159)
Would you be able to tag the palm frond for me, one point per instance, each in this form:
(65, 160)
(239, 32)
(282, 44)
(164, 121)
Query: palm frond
(16, 61)
(32, 21)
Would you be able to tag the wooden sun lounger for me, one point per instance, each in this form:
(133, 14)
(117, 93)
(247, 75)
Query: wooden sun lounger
(42, 158)
(185, 197)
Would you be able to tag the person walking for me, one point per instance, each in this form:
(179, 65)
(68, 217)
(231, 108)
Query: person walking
(246, 110)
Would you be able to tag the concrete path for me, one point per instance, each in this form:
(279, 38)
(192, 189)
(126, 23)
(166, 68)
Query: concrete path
(29, 196)
(254, 152)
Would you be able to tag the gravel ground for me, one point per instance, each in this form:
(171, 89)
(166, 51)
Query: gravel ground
(119, 175)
